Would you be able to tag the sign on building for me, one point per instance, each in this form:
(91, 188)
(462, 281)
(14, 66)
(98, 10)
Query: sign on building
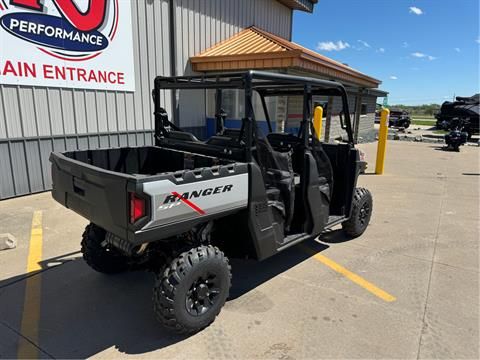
(83, 44)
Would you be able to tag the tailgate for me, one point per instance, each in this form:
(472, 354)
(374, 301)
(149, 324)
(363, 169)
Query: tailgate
(98, 195)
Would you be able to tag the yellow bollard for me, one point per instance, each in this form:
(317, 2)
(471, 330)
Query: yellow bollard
(382, 142)
(317, 121)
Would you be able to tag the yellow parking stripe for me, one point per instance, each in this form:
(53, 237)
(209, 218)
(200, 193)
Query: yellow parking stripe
(355, 278)
(31, 306)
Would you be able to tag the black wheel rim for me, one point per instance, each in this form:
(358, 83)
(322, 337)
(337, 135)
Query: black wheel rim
(203, 294)
(364, 214)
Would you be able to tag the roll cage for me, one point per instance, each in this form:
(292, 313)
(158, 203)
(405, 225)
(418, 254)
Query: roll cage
(266, 84)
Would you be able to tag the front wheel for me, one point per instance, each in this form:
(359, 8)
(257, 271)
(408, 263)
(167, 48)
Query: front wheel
(362, 207)
(191, 291)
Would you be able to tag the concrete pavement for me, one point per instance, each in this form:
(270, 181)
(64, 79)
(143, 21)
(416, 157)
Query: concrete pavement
(421, 247)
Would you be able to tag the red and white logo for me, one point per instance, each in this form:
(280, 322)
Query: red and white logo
(84, 44)
(61, 28)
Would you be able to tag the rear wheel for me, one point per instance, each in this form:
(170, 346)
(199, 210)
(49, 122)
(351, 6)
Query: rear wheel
(362, 207)
(192, 290)
(100, 257)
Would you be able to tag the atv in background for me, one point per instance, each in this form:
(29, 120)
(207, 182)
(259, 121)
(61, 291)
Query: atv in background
(458, 136)
(464, 112)
(399, 118)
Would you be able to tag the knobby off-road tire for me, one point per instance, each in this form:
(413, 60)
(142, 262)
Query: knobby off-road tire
(192, 289)
(106, 259)
(362, 207)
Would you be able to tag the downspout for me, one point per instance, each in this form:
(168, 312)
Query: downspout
(291, 25)
(173, 56)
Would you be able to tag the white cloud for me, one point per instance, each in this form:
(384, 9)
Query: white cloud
(364, 43)
(393, 77)
(333, 46)
(478, 40)
(458, 50)
(415, 10)
(381, 50)
(423, 56)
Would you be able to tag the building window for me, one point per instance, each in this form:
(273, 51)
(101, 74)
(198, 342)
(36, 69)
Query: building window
(233, 105)
(363, 110)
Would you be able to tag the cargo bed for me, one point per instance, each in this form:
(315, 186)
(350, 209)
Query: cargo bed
(99, 185)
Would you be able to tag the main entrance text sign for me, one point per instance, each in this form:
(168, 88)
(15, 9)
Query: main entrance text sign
(83, 44)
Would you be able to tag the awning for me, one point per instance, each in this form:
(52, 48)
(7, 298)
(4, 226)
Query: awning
(253, 48)
(372, 92)
(303, 5)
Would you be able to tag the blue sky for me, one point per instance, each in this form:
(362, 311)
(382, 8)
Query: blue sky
(424, 51)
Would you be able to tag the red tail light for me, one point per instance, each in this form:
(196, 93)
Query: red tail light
(137, 208)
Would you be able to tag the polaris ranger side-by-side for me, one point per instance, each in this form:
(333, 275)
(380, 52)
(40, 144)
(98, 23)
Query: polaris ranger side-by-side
(179, 208)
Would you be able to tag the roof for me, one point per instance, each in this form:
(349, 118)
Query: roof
(254, 48)
(304, 5)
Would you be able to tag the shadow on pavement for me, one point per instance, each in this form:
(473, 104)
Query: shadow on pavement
(334, 237)
(440, 148)
(83, 313)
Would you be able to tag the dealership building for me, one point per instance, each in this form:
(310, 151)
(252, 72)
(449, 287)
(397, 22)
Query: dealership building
(75, 78)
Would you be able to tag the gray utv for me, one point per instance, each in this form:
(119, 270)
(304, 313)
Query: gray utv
(171, 208)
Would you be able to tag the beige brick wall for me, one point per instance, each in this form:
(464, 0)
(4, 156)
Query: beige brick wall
(366, 131)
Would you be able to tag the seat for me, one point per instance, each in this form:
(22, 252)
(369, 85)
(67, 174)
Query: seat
(324, 166)
(182, 135)
(221, 140)
(278, 174)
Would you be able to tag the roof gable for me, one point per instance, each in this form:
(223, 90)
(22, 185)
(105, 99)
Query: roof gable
(254, 48)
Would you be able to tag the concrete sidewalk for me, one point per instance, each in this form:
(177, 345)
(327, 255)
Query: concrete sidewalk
(422, 247)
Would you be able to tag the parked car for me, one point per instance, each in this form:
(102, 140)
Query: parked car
(171, 208)
(465, 110)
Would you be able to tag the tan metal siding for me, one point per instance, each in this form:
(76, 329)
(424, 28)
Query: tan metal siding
(36, 120)
(202, 24)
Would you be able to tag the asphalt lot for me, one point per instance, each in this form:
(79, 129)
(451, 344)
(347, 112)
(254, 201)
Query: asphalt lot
(321, 299)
